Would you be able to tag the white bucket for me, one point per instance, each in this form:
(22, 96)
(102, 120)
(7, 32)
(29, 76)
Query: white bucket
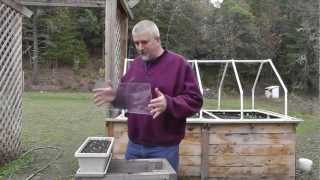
(305, 164)
(272, 92)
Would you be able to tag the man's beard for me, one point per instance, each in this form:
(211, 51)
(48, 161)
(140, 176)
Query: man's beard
(145, 57)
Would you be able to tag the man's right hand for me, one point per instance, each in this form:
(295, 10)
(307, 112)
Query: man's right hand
(104, 95)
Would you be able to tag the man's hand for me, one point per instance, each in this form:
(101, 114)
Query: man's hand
(104, 95)
(158, 104)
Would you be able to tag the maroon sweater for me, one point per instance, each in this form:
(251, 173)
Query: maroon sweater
(174, 77)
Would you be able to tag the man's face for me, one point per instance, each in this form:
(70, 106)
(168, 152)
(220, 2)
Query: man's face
(146, 45)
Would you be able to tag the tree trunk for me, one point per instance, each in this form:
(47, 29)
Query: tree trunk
(35, 52)
(174, 13)
(318, 56)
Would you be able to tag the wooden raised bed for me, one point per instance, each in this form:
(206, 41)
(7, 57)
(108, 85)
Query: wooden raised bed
(229, 148)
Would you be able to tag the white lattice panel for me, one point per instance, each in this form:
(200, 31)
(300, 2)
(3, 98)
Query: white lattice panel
(11, 82)
(117, 73)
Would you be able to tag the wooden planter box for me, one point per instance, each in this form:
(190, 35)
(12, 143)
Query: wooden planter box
(139, 169)
(228, 149)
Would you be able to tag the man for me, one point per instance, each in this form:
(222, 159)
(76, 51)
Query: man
(175, 93)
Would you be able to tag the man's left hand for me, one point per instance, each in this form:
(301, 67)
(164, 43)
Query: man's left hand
(158, 104)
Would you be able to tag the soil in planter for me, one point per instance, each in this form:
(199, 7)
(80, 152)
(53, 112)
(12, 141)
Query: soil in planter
(134, 167)
(246, 115)
(96, 146)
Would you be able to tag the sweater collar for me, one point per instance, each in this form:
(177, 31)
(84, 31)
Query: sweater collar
(156, 60)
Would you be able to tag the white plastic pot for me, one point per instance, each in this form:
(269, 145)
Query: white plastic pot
(93, 163)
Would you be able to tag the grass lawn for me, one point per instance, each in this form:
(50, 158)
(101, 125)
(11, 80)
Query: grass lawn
(64, 120)
(61, 120)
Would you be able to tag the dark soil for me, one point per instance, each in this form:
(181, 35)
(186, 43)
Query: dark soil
(96, 146)
(246, 115)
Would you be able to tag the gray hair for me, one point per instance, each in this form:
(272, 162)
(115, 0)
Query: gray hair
(146, 26)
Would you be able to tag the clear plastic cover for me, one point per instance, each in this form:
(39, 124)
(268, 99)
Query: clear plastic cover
(134, 97)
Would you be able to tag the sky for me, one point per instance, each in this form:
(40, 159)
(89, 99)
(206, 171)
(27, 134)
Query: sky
(216, 3)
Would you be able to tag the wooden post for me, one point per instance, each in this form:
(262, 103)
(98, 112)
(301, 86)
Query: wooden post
(124, 39)
(111, 12)
(109, 57)
(109, 129)
(35, 53)
(204, 151)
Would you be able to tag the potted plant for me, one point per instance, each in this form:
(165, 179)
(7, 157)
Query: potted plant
(94, 155)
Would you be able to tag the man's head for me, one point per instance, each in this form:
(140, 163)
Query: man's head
(146, 38)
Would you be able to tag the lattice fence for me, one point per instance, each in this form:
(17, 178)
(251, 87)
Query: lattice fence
(118, 41)
(120, 47)
(11, 82)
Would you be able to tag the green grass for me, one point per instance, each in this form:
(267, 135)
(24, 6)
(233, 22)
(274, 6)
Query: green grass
(64, 120)
(14, 166)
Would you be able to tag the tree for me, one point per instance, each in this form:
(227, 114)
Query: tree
(36, 37)
(90, 23)
(288, 32)
(67, 45)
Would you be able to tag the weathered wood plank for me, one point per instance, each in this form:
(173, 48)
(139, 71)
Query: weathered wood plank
(191, 144)
(252, 149)
(190, 160)
(123, 40)
(247, 138)
(233, 152)
(109, 56)
(253, 128)
(272, 170)
(248, 161)
(120, 129)
(189, 149)
(204, 154)
(254, 178)
(189, 171)
(193, 128)
(76, 3)
(121, 138)
(118, 156)
(120, 147)
(18, 7)
(192, 138)
(126, 8)
(70, 3)
(292, 165)
(109, 129)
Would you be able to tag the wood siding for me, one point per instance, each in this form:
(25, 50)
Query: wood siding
(228, 151)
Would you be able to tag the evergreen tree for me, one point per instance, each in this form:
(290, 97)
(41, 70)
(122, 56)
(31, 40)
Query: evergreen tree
(67, 45)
